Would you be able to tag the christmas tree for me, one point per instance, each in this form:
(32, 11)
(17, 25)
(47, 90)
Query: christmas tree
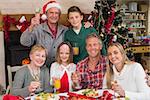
(107, 20)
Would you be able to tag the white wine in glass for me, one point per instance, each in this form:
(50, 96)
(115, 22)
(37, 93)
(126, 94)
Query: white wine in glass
(37, 79)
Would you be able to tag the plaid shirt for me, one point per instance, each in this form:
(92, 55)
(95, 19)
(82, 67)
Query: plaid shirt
(92, 79)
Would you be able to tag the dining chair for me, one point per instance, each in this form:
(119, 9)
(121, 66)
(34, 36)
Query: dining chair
(11, 70)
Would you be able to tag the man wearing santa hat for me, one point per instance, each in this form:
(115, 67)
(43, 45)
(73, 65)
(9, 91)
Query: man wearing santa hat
(49, 34)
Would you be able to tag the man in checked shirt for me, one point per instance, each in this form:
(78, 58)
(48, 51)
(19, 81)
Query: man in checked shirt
(90, 71)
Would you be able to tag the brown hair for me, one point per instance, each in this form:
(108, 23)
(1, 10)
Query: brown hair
(70, 60)
(109, 71)
(74, 9)
(38, 47)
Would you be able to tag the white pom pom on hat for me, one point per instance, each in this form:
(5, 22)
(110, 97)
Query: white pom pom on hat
(49, 5)
(43, 17)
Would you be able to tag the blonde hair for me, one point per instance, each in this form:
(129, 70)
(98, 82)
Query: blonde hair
(38, 47)
(70, 60)
(109, 70)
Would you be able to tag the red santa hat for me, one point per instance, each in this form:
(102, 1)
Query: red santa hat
(49, 5)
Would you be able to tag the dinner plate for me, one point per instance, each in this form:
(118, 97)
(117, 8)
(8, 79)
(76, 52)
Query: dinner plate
(100, 92)
(81, 93)
(63, 94)
(30, 97)
(56, 97)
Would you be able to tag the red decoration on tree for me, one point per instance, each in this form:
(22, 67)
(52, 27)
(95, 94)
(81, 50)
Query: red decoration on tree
(110, 21)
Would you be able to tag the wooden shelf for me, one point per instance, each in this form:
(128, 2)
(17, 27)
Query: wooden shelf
(134, 19)
(139, 49)
(134, 11)
(138, 27)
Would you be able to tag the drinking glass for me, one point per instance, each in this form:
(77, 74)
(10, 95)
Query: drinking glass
(37, 79)
(57, 85)
(75, 49)
(76, 84)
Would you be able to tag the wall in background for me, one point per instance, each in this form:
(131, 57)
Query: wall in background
(29, 6)
(2, 60)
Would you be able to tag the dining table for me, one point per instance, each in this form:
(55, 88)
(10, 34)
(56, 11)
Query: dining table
(103, 94)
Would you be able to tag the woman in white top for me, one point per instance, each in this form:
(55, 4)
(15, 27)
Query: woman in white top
(63, 67)
(125, 77)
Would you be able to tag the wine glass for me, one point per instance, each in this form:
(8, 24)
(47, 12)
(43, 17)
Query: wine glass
(37, 79)
(77, 77)
(113, 83)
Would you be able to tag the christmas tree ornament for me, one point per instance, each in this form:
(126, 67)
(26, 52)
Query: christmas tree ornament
(114, 38)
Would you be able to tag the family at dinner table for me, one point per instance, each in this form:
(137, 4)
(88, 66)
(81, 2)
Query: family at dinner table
(72, 57)
(94, 72)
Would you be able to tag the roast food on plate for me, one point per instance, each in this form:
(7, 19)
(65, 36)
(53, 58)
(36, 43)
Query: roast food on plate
(90, 92)
(47, 96)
